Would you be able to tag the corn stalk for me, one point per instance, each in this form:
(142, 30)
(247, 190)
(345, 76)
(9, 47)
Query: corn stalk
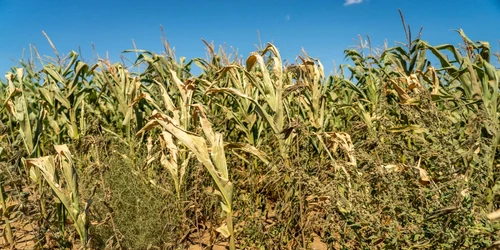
(17, 104)
(268, 102)
(210, 152)
(65, 91)
(5, 213)
(124, 92)
(65, 188)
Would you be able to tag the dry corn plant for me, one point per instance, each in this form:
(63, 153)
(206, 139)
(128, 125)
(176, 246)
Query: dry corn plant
(364, 89)
(65, 187)
(17, 104)
(175, 119)
(269, 101)
(120, 92)
(30, 121)
(64, 92)
(313, 100)
(173, 158)
(209, 151)
(237, 110)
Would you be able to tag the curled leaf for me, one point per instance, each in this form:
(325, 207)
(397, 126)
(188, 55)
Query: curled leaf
(223, 230)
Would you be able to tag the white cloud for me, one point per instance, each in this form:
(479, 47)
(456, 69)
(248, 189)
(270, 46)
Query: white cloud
(349, 2)
(287, 17)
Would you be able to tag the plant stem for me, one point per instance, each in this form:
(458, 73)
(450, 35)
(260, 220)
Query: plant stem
(8, 229)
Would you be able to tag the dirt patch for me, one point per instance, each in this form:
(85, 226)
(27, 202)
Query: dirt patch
(23, 231)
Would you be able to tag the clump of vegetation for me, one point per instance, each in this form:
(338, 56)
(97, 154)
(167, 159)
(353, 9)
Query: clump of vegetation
(392, 151)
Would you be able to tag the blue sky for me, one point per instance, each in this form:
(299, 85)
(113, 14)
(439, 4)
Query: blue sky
(324, 28)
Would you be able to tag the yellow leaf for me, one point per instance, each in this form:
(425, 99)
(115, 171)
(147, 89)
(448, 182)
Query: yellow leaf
(223, 230)
(494, 215)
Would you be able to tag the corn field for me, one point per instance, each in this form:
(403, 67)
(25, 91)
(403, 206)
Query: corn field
(389, 152)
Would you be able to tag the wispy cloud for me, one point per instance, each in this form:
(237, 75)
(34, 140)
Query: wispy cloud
(288, 17)
(350, 2)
